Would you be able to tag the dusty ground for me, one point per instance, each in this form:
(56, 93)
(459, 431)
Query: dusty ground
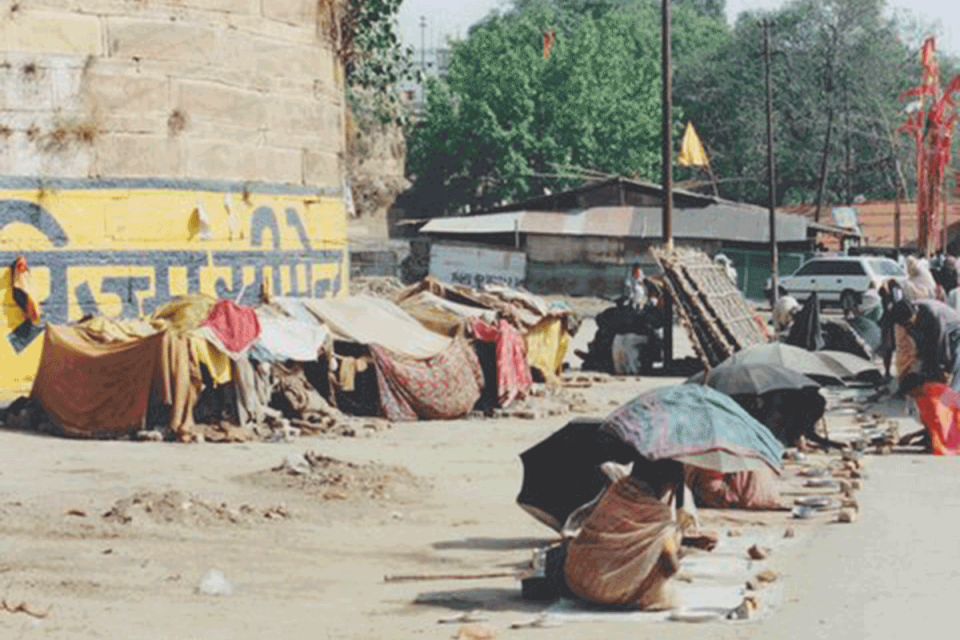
(113, 539)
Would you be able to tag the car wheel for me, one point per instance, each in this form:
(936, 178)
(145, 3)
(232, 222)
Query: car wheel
(849, 300)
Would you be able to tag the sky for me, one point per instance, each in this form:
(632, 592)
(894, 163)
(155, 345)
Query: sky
(450, 18)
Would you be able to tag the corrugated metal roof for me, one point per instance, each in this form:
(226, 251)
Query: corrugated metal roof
(543, 202)
(741, 223)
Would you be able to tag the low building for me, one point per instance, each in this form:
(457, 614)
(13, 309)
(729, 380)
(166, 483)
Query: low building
(589, 251)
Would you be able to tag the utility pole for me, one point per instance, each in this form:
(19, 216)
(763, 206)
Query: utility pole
(666, 71)
(771, 176)
(423, 44)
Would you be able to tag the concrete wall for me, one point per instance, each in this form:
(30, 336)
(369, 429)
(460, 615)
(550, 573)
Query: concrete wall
(160, 147)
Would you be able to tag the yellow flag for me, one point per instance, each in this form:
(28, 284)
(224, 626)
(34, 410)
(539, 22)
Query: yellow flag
(692, 153)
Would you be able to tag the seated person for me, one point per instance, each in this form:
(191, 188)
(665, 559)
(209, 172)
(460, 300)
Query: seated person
(628, 547)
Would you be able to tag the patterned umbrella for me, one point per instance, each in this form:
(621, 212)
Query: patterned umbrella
(695, 425)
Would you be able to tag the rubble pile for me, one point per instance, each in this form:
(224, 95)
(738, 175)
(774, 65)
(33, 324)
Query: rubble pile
(178, 508)
(332, 479)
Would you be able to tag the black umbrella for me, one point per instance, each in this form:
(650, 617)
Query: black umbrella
(737, 378)
(562, 473)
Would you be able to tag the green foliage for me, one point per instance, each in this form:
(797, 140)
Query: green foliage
(837, 65)
(505, 118)
(374, 60)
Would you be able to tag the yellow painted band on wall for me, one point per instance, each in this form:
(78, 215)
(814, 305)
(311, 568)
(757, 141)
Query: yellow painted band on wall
(124, 252)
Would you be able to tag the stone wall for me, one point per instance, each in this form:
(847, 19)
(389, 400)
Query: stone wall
(153, 149)
(221, 89)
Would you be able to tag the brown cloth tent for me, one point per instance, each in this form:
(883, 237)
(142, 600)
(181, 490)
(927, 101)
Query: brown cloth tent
(96, 388)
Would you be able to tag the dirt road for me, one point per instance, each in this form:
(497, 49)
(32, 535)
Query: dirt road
(113, 540)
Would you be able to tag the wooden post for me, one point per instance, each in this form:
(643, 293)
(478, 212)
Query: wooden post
(666, 71)
(771, 176)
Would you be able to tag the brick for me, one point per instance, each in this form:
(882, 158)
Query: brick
(27, 86)
(129, 156)
(322, 169)
(218, 131)
(268, 56)
(162, 40)
(245, 7)
(152, 124)
(308, 140)
(297, 12)
(208, 101)
(51, 32)
(268, 28)
(127, 94)
(227, 161)
(295, 115)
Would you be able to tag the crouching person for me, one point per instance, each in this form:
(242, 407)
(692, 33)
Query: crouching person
(741, 490)
(629, 546)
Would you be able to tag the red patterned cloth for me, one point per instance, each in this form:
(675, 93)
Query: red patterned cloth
(513, 372)
(236, 327)
(444, 387)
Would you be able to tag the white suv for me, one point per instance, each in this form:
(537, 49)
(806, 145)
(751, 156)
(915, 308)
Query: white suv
(840, 280)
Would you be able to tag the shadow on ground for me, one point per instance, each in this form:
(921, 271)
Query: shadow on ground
(492, 544)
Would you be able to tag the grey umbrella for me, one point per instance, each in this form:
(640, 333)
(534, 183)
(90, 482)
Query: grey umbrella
(734, 379)
(800, 360)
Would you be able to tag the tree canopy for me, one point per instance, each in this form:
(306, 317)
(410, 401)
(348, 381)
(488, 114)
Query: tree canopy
(505, 121)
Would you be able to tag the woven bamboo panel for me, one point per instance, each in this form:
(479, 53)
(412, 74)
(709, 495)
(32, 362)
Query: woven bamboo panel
(716, 316)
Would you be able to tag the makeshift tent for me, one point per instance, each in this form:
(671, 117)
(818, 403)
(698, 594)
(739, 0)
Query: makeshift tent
(368, 320)
(96, 388)
(546, 328)
(443, 387)
(513, 373)
(443, 316)
(418, 373)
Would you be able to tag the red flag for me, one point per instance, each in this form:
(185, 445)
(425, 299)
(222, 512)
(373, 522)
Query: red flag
(548, 41)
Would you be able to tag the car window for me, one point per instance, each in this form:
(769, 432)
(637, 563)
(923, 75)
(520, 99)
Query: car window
(847, 268)
(812, 268)
(885, 268)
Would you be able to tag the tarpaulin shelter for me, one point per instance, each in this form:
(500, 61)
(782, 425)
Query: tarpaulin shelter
(417, 372)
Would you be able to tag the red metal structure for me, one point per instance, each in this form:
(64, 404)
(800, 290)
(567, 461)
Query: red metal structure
(931, 125)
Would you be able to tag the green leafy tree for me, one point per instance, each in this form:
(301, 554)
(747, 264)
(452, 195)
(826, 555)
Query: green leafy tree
(365, 35)
(505, 118)
(838, 69)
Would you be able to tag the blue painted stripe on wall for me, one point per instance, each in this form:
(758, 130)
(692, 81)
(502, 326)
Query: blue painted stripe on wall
(178, 184)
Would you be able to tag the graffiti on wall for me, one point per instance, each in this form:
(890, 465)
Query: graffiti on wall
(280, 243)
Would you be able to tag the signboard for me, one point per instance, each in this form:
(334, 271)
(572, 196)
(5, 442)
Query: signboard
(475, 266)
